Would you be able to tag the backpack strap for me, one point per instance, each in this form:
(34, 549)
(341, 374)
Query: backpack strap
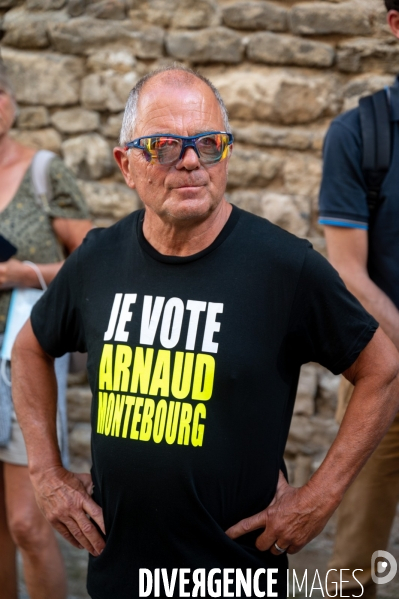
(42, 185)
(40, 178)
(375, 126)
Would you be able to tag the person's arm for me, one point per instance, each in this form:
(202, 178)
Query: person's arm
(70, 233)
(63, 497)
(348, 251)
(297, 515)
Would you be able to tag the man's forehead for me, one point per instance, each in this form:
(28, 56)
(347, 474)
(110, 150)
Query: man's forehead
(177, 98)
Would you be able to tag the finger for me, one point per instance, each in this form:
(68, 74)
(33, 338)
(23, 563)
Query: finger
(95, 512)
(268, 537)
(85, 533)
(247, 525)
(281, 545)
(64, 532)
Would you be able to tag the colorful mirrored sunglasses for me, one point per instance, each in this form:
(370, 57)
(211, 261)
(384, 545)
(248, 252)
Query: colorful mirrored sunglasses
(210, 147)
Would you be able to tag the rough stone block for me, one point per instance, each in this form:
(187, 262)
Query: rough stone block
(252, 168)
(76, 8)
(289, 212)
(320, 18)
(208, 45)
(326, 400)
(156, 12)
(110, 200)
(363, 86)
(255, 15)
(307, 390)
(194, 14)
(367, 55)
(186, 14)
(302, 175)
(81, 35)
(25, 30)
(44, 78)
(9, 3)
(40, 139)
(79, 404)
(300, 434)
(107, 91)
(318, 137)
(32, 117)
(45, 4)
(107, 9)
(88, 156)
(309, 436)
(75, 120)
(113, 57)
(112, 127)
(268, 136)
(303, 470)
(79, 441)
(277, 96)
(304, 405)
(275, 48)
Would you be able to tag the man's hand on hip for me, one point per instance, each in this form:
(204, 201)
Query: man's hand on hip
(292, 520)
(64, 498)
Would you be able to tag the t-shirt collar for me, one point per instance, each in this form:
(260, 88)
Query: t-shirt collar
(224, 233)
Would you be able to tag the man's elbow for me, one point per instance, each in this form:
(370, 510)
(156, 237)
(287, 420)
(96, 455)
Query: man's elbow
(391, 372)
(384, 368)
(27, 343)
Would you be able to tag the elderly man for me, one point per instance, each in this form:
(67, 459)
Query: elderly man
(196, 317)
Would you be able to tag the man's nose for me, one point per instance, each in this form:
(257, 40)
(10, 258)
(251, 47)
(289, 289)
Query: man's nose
(189, 160)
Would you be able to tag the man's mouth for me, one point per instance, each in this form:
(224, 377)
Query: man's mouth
(188, 186)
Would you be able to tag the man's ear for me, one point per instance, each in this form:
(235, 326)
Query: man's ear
(393, 22)
(123, 162)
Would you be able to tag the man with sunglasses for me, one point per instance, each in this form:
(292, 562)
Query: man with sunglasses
(196, 317)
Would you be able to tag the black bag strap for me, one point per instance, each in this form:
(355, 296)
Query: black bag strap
(376, 133)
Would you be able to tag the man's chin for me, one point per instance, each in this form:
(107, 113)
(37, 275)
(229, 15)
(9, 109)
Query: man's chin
(193, 209)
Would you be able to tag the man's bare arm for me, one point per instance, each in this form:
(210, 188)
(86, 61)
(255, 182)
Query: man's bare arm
(348, 251)
(296, 516)
(63, 497)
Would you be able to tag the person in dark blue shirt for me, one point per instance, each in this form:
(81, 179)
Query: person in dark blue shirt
(367, 259)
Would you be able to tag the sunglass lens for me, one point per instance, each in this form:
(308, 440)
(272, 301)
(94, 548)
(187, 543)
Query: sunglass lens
(212, 147)
(164, 150)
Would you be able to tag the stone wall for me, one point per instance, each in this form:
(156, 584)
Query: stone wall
(284, 68)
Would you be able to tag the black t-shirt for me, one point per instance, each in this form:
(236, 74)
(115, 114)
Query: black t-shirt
(193, 363)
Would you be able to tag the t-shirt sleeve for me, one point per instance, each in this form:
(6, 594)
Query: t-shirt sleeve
(343, 191)
(67, 200)
(56, 318)
(328, 324)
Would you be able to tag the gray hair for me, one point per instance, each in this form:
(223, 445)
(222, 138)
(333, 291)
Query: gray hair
(130, 114)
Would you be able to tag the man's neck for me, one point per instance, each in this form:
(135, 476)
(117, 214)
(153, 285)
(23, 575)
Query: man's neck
(184, 238)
